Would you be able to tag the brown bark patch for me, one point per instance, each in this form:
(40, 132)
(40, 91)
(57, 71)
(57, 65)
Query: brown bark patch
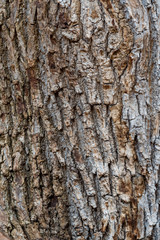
(51, 61)
(20, 106)
(77, 156)
(13, 68)
(53, 201)
(63, 20)
(32, 78)
(106, 86)
(94, 14)
(139, 186)
(2, 237)
(53, 39)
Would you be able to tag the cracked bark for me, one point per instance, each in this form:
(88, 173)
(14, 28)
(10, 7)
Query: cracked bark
(79, 119)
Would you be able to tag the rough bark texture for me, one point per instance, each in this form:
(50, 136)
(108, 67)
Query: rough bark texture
(79, 119)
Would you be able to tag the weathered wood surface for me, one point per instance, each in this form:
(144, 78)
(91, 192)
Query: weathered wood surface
(80, 119)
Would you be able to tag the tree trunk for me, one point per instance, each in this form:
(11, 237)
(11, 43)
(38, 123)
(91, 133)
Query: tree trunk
(79, 119)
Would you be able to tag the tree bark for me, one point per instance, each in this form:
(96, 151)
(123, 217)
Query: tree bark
(79, 119)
